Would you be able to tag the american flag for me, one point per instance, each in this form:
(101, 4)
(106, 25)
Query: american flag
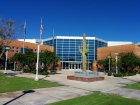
(41, 28)
(24, 30)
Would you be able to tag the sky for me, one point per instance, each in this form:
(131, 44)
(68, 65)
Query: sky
(110, 20)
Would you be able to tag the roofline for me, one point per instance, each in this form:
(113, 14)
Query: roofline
(75, 37)
(122, 41)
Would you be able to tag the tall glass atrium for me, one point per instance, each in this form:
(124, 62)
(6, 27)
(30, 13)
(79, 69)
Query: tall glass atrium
(67, 49)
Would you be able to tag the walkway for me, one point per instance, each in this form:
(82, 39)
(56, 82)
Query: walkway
(70, 90)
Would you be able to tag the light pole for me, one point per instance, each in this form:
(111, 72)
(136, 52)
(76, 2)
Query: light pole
(116, 62)
(38, 49)
(7, 48)
(109, 62)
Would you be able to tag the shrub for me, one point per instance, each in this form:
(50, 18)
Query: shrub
(130, 74)
(109, 74)
(118, 75)
(26, 71)
(124, 74)
(44, 73)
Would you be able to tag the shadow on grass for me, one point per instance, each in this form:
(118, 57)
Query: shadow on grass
(24, 92)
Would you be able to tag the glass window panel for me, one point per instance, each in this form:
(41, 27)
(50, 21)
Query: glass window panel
(59, 40)
(78, 59)
(91, 58)
(78, 53)
(72, 40)
(90, 53)
(66, 55)
(91, 42)
(71, 55)
(65, 52)
(65, 46)
(71, 52)
(72, 47)
(78, 40)
(72, 44)
(59, 54)
(66, 40)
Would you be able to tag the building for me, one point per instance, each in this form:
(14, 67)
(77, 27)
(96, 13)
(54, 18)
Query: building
(17, 46)
(117, 43)
(105, 51)
(66, 47)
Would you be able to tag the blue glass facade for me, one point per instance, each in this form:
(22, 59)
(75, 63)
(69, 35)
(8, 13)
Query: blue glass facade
(67, 50)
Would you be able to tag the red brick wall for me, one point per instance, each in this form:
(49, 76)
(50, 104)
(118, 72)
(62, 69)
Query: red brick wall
(19, 44)
(103, 52)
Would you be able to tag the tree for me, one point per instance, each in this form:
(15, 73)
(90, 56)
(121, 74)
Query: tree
(31, 58)
(20, 58)
(104, 63)
(48, 58)
(9, 30)
(129, 61)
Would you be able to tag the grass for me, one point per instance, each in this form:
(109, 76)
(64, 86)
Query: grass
(98, 99)
(11, 84)
(133, 86)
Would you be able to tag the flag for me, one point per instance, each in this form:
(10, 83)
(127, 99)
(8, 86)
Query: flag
(24, 30)
(41, 28)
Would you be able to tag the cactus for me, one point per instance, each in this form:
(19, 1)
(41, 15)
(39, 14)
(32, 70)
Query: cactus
(84, 52)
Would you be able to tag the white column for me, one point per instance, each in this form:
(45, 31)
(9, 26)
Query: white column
(68, 66)
(109, 64)
(6, 62)
(36, 77)
(116, 65)
(62, 66)
(14, 66)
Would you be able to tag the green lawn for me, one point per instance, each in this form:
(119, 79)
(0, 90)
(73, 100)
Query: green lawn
(133, 86)
(98, 99)
(11, 84)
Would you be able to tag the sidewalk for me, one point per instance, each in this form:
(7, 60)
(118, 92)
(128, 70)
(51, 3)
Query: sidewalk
(70, 89)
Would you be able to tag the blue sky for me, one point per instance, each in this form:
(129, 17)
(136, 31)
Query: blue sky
(111, 20)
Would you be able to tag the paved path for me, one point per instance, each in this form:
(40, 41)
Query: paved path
(71, 89)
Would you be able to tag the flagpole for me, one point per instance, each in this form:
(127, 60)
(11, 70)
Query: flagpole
(38, 50)
(41, 28)
(24, 36)
(53, 47)
(53, 40)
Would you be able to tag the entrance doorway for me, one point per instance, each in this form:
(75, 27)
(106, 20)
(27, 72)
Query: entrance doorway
(71, 65)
